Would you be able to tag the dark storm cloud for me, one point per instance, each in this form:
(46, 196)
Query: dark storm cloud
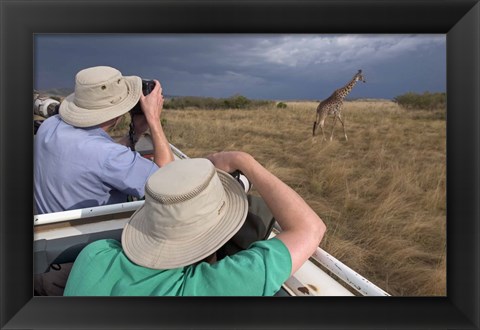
(257, 66)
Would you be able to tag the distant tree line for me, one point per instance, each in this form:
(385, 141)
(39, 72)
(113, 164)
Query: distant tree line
(425, 101)
(210, 103)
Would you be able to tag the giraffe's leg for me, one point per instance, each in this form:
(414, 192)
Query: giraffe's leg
(315, 124)
(333, 127)
(343, 125)
(322, 123)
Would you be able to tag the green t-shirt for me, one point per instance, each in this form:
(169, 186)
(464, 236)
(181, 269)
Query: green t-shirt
(102, 269)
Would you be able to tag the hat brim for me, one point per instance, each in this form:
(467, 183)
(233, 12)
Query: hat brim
(81, 117)
(144, 250)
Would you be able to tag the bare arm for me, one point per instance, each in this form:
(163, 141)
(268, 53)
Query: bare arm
(152, 106)
(302, 229)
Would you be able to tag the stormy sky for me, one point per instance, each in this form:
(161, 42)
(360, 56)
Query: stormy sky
(271, 66)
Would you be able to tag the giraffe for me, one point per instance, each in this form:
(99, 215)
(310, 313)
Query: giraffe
(333, 106)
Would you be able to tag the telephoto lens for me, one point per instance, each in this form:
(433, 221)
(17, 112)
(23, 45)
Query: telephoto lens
(45, 107)
(242, 180)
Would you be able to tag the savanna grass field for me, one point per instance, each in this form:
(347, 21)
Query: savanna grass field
(382, 193)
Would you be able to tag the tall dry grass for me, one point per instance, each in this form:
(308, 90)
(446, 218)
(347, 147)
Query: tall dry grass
(382, 194)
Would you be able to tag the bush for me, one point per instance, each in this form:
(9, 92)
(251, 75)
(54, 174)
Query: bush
(210, 103)
(237, 102)
(281, 105)
(425, 101)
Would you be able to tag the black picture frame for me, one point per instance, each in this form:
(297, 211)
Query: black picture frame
(458, 19)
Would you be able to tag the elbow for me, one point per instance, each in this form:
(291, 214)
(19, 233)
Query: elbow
(320, 231)
(323, 230)
(314, 232)
(315, 236)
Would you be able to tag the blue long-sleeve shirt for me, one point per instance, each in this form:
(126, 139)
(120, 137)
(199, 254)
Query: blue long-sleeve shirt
(83, 167)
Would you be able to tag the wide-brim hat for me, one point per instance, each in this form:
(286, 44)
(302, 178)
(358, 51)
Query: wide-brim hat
(101, 93)
(191, 209)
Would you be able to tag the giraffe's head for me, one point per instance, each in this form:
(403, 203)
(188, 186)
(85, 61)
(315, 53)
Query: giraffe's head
(359, 76)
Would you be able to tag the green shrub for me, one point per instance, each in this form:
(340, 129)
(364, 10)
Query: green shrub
(210, 103)
(425, 101)
(237, 102)
(281, 105)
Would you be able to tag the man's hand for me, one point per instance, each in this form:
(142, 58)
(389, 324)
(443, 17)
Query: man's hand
(229, 161)
(152, 104)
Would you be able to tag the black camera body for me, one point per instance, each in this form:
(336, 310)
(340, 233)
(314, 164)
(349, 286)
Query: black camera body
(147, 88)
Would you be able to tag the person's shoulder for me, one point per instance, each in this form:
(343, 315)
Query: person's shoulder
(262, 251)
(270, 244)
(271, 250)
(103, 245)
(51, 119)
(97, 254)
(49, 122)
(97, 140)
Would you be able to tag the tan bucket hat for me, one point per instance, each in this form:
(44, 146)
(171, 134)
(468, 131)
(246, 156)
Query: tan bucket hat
(191, 209)
(101, 93)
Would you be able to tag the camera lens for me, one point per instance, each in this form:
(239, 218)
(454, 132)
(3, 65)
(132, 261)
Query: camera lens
(147, 86)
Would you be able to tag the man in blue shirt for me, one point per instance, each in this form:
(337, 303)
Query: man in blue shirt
(77, 164)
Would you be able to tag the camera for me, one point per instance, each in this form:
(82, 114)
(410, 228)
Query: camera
(242, 180)
(147, 88)
(46, 107)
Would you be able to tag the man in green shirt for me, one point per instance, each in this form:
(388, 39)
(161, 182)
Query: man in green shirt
(192, 208)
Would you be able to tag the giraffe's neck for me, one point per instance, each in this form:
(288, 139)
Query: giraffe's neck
(342, 92)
